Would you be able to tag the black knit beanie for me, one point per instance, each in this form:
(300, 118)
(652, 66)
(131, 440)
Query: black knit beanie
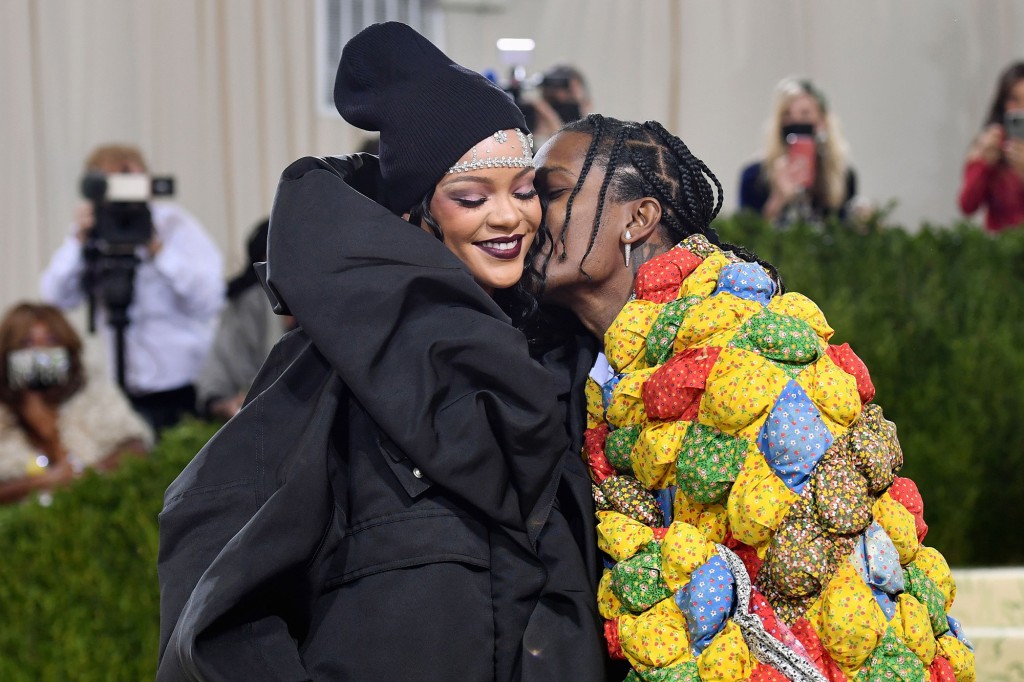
(428, 109)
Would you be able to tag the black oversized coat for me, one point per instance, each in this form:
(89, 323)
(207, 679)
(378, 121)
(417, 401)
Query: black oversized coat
(400, 498)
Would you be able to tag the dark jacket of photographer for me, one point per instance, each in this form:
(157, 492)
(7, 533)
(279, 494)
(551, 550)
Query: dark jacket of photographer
(398, 499)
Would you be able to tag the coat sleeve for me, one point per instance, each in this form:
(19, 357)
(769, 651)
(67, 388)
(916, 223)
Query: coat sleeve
(977, 174)
(419, 344)
(247, 529)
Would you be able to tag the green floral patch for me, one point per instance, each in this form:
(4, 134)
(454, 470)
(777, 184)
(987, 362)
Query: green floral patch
(922, 588)
(709, 461)
(663, 331)
(892, 660)
(637, 581)
(618, 447)
(686, 672)
(781, 338)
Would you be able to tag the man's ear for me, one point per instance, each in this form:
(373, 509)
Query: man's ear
(644, 218)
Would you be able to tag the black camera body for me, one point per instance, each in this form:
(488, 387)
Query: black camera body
(123, 221)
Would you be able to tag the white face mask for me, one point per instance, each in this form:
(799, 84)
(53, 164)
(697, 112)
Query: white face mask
(38, 368)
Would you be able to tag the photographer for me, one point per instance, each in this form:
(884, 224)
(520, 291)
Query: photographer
(805, 173)
(54, 421)
(994, 169)
(173, 296)
(562, 97)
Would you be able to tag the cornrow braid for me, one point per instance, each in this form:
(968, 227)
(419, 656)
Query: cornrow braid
(696, 168)
(596, 122)
(613, 155)
(665, 194)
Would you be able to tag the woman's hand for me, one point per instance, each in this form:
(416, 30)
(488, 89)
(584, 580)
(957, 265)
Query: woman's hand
(57, 474)
(988, 146)
(785, 186)
(40, 417)
(786, 178)
(1013, 150)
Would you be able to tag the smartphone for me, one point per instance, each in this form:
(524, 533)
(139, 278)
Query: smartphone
(803, 155)
(1013, 121)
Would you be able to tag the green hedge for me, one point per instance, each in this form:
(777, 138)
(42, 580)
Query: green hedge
(78, 591)
(938, 316)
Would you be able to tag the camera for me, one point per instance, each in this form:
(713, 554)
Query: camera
(122, 216)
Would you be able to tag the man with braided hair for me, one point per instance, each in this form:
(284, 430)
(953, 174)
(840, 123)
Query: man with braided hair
(748, 504)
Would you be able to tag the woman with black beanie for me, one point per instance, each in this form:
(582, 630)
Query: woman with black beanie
(398, 498)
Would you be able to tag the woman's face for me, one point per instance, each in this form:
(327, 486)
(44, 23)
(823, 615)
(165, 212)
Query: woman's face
(489, 217)
(40, 336)
(559, 163)
(1015, 98)
(803, 108)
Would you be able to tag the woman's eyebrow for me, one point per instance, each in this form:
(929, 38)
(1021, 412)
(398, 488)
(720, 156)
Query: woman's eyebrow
(467, 178)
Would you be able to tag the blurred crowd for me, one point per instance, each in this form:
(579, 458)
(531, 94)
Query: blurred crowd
(183, 342)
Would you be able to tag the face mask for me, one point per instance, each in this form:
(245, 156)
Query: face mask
(794, 130)
(38, 368)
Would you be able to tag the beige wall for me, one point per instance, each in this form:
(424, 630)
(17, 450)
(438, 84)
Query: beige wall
(220, 92)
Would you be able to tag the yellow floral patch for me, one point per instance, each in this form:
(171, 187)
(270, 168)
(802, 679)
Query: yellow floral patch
(608, 603)
(758, 502)
(683, 550)
(714, 321)
(899, 526)
(625, 342)
(833, 392)
(741, 390)
(654, 455)
(595, 404)
(619, 536)
(914, 627)
(959, 656)
(627, 405)
(657, 637)
(852, 622)
(704, 279)
(934, 565)
(802, 308)
(727, 658)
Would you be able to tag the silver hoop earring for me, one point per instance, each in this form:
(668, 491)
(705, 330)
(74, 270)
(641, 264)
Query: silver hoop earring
(629, 247)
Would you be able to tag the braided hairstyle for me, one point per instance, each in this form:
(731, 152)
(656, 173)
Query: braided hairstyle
(516, 301)
(645, 160)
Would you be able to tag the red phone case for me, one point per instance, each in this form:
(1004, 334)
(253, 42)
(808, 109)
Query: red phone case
(801, 151)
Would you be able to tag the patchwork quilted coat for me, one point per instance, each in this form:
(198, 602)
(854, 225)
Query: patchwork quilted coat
(749, 506)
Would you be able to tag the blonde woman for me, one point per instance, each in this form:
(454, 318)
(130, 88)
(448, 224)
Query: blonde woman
(788, 184)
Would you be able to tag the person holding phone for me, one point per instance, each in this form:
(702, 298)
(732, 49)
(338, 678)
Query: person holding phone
(54, 422)
(805, 174)
(994, 168)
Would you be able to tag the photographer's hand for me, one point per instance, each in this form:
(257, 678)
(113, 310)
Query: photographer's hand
(988, 145)
(1013, 150)
(85, 219)
(154, 246)
(785, 185)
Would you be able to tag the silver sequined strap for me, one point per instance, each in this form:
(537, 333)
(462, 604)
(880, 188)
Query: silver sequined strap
(765, 648)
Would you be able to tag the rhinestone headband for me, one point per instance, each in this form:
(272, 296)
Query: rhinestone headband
(476, 162)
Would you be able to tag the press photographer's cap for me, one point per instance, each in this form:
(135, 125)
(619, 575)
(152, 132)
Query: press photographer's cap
(428, 110)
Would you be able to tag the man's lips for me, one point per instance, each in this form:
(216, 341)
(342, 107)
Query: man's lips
(504, 248)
